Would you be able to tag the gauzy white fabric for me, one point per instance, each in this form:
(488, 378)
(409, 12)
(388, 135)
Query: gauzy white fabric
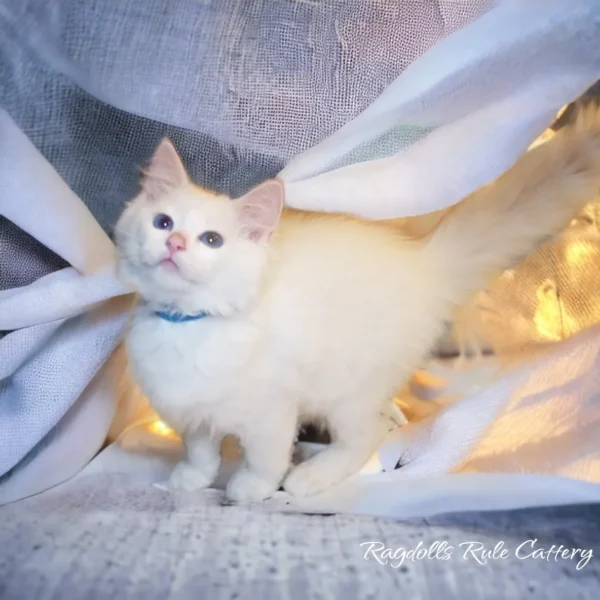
(53, 364)
(488, 91)
(482, 95)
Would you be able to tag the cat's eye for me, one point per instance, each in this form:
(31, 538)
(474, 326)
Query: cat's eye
(211, 239)
(163, 221)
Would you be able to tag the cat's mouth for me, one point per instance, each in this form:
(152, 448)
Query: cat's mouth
(169, 264)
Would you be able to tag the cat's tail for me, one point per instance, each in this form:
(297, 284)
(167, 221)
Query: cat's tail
(499, 224)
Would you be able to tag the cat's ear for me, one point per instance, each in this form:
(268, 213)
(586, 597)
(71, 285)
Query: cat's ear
(259, 210)
(165, 172)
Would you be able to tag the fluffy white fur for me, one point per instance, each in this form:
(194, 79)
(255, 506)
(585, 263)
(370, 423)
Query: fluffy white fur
(325, 319)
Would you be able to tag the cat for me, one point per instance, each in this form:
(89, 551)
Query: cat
(254, 318)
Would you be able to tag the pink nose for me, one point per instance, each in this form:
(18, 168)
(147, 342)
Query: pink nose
(175, 242)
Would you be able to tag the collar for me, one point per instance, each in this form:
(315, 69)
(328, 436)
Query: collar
(177, 317)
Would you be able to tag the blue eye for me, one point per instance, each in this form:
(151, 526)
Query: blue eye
(211, 239)
(163, 222)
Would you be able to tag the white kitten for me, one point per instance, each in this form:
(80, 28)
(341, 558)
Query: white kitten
(308, 316)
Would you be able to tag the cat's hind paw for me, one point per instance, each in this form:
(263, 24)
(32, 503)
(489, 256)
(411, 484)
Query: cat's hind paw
(306, 479)
(245, 486)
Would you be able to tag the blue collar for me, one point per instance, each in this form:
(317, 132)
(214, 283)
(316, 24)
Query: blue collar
(177, 317)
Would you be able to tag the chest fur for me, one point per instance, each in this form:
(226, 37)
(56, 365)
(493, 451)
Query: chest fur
(182, 366)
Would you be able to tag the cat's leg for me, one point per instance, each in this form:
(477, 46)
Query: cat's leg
(356, 436)
(267, 445)
(201, 464)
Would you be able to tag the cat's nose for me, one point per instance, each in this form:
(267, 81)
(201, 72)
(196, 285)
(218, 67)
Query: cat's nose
(175, 242)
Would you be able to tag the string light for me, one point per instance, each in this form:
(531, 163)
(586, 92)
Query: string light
(161, 428)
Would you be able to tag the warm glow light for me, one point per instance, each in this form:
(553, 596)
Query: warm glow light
(559, 114)
(161, 428)
(548, 316)
(428, 379)
(548, 134)
(578, 253)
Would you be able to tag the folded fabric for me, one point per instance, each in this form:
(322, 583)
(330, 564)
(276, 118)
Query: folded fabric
(456, 118)
(63, 328)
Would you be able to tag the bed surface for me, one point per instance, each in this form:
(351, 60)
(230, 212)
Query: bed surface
(106, 537)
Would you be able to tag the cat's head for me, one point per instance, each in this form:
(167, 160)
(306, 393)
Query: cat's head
(190, 250)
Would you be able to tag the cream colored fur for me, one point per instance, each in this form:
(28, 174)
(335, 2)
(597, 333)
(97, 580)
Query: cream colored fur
(324, 322)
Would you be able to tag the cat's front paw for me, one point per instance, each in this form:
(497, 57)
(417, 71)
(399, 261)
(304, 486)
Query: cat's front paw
(187, 478)
(245, 486)
(306, 479)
